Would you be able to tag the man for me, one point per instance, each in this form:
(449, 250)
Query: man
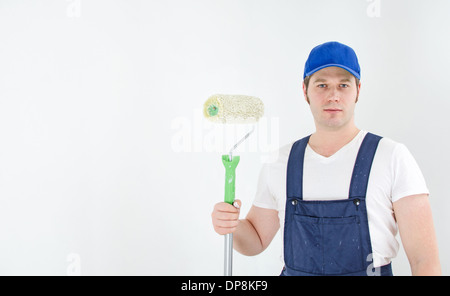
(341, 194)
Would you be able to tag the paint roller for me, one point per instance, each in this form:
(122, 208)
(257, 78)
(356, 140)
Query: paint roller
(232, 109)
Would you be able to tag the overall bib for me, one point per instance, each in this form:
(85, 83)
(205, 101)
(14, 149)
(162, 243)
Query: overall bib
(329, 237)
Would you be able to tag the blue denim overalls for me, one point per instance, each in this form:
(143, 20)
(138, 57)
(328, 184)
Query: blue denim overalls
(329, 237)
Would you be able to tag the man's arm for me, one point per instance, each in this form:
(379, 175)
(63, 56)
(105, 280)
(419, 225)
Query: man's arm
(256, 231)
(415, 223)
(252, 235)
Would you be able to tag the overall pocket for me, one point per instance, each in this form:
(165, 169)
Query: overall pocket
(305, 245)
(325, 245)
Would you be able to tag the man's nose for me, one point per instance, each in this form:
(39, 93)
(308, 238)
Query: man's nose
(334, 95)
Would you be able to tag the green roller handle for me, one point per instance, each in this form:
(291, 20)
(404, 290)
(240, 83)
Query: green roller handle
(230, 177)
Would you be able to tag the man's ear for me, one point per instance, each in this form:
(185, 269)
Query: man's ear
(357, 94)
(305, 93)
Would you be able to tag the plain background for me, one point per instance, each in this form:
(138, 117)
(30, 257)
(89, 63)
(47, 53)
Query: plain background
(106, 164)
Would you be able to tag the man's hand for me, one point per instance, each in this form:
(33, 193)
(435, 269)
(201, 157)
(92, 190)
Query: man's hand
(225, 217)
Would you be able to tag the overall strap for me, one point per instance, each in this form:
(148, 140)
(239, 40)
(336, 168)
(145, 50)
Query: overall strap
(294, 180)
(363, 164)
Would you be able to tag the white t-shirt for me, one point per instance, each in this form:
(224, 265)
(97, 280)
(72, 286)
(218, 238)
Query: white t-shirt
(394, 174)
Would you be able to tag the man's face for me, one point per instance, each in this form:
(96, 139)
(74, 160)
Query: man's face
(332, 96)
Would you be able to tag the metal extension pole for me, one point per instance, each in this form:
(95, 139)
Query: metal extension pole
(228, 264)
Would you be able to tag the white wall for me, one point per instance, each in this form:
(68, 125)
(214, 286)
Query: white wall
(106, 165)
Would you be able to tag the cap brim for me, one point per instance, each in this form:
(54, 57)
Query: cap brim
(332, 65)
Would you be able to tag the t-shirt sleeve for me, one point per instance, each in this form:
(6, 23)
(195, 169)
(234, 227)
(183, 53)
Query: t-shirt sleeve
(408, 178)
(264, 197)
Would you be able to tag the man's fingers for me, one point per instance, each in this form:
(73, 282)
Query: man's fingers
(226, 207)
(227, 224)
(225, 217)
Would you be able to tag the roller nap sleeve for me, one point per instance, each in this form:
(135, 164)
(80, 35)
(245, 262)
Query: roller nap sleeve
(233, 109)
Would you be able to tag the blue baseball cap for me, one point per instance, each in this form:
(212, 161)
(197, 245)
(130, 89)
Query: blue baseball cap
(332, 54)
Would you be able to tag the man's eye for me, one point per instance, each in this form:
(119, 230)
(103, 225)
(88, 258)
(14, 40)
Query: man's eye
(322, 85)
(344, 85)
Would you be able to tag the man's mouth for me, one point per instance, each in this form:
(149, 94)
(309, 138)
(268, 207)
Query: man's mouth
(332, 110)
